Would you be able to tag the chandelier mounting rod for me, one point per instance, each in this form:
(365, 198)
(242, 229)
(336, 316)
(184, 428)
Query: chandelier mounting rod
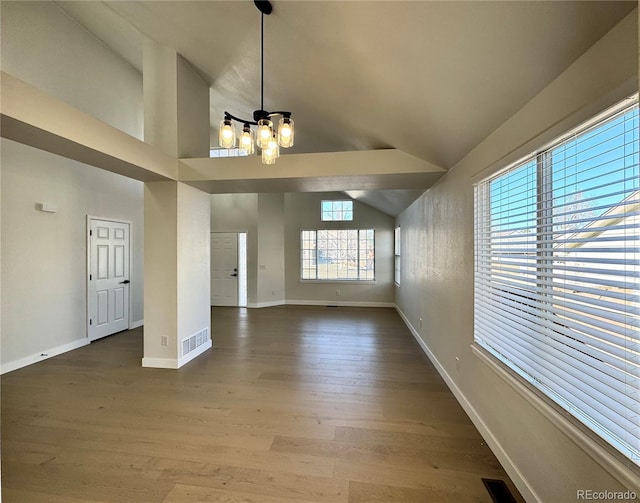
(261, 60)
(268, 139)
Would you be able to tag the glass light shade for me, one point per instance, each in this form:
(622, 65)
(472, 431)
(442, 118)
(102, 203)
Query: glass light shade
(268, 156)
(265, 133)
(273, 145)
(285, 132)
(227, 136)
(247, 140)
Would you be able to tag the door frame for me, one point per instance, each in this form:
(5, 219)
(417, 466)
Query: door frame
(237, 233)
(88, 269)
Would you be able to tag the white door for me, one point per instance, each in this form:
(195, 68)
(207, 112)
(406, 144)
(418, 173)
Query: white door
(224, 269)
(108, 304)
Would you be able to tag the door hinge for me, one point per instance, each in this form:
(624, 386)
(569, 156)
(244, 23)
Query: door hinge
(90, 277)
(90, 233)
(90, 321)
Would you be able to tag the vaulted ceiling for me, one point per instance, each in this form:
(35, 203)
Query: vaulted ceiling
(431, 78)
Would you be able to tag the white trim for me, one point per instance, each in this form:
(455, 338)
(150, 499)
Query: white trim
(339, 281)
(342, 303)
(588, 441)
(173, 363)
(135, 324)
(514, 473)
(160, 363)
(272, 303)
(42, 355)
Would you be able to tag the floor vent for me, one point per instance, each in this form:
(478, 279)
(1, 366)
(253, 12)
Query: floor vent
(197, 339)
(498, 491)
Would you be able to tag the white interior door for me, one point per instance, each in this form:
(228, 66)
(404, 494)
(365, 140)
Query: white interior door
(108, 303)
(224, 269)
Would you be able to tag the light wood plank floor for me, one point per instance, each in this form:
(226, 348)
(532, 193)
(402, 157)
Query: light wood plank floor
(293, 404)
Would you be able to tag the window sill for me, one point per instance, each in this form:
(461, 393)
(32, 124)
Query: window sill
(340, 281)
(616, 464)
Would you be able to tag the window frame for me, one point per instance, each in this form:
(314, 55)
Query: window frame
(540, 163)
(310, 258)
(338, 212)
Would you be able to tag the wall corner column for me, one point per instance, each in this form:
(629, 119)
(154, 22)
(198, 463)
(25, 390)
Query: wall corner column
(177, 310)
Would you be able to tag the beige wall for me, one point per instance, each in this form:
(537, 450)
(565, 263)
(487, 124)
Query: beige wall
(176, 103)
(271, 265)
(239, 213)
(273, 223)
(177, 284)
(44, 255)
(547, 457)
(194, 247)
(302, 212)
(161, 259)
(43, 46)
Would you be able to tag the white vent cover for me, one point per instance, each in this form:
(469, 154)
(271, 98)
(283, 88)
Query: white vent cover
(194, 341)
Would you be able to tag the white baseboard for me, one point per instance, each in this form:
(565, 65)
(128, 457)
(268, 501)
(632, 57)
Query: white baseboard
(175, 363)
(42, 355)
(345, 303)
(512, 470)
(273, 303)
(160, 363)
(136, 324)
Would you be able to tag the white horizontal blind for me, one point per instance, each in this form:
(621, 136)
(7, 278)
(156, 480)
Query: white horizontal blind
(557, 273)
(396, 250)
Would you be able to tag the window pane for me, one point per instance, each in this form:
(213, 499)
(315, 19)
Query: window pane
(367, 257)
(337, 210)
(557, 274)
(332, 254)
(512, 231)
(308, 255)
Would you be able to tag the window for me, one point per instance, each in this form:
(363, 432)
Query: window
(337, 210)
(557, 273)
(227, 152)
(396, 248)
(338, 254)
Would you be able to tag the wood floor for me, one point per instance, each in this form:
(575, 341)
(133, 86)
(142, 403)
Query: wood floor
(293, 404)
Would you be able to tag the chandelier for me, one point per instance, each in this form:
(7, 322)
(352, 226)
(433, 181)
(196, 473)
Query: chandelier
(267, 138)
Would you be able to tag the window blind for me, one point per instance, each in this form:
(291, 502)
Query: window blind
(557, 273)
(396, 250)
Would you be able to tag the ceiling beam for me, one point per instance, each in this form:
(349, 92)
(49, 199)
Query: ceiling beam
(32, 117)
(315, 172)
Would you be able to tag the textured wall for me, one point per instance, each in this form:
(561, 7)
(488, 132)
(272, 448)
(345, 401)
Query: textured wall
(547, 456)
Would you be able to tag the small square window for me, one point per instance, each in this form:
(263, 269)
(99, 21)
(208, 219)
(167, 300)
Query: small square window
(337, 211)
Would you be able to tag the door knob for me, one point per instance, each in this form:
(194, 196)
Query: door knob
(234, 274)
(125, 282)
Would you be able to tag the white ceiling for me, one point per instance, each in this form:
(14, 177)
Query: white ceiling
(431, 78)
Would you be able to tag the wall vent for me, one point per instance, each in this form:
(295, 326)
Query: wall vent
(498, 491)
(194, 341)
